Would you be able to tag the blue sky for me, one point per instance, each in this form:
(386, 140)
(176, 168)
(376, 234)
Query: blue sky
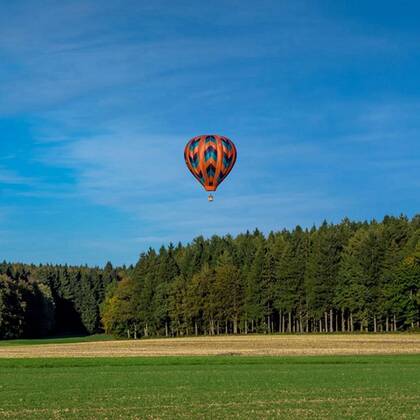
(98, 98)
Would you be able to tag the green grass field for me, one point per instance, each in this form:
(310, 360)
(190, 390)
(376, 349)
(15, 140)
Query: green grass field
(212, 387)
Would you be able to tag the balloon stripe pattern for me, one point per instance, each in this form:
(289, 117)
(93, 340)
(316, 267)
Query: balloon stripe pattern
(210, 158)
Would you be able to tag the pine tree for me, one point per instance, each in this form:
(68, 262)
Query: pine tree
(229, 293)
(290, 286)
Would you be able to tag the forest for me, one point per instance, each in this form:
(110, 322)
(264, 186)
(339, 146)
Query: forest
(345, 277)
(38, 301)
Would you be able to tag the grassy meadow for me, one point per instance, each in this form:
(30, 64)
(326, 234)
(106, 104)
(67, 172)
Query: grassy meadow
(212, 387)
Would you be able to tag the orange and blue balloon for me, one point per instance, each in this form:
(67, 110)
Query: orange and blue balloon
(210, 158)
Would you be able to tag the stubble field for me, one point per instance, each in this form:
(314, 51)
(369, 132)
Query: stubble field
(251, 345)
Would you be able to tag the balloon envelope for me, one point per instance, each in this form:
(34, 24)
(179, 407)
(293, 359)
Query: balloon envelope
(210, 158)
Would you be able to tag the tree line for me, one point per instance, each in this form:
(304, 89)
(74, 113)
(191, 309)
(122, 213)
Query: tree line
(351, 276)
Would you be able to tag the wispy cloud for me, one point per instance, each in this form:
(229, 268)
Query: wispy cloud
(109, 168)
(67, 51)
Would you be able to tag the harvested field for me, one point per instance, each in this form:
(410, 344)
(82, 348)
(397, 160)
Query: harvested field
(261, 345)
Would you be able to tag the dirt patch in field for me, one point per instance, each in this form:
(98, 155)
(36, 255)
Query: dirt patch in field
(278, 345)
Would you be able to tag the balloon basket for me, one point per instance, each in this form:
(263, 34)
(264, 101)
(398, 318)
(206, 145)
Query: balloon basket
(211, 198)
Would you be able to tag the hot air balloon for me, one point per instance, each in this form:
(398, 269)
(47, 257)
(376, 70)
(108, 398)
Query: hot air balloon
(210, 158)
